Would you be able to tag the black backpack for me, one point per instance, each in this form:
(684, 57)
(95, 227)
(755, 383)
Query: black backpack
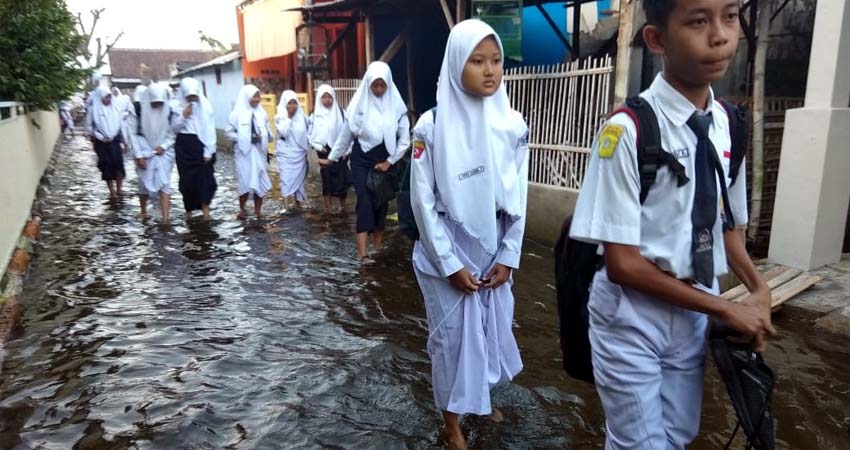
(406, 219)
(576, 262)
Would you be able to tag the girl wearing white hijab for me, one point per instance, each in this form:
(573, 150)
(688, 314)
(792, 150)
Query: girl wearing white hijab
(379, 130)
(105, 129)
(468, 192)
(291, 148)
(126, 107)
(153, 146)
(249, 132)
(194, 147)
(328, 123)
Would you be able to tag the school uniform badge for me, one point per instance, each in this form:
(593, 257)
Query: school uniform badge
(418, 149)
(608, 140)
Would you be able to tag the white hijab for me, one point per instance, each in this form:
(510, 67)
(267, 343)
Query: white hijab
(243, 113)
(372, 119)
(202, 111)
(327, 122)
(476, 162)
(299, 120)
(155, 124)
(107, 119)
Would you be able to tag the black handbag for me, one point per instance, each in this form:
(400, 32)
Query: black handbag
(381, 184)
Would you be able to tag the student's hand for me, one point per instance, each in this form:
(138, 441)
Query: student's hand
(141, 163)
(159, 151)
(750, 321)
(383, 166)
(464, 281)
(497, 276)
(761, 300)
(187, 111)
(325, 162)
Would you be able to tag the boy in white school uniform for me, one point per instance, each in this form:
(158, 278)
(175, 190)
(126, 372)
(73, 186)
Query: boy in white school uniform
(649, 305)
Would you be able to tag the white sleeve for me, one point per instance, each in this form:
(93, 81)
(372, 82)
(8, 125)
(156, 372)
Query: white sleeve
(738, 197)
(608, 207)
(212, 136)
(179, 122)
(403, 141)
(231, 132)
(141, 147)
(423, 200)
(510, 252)
(342, 146)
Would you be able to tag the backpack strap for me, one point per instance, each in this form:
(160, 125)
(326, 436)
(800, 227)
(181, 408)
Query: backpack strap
(650, 154)
(738, 133)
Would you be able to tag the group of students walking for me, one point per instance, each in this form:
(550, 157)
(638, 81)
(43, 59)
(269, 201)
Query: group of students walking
(650, 301)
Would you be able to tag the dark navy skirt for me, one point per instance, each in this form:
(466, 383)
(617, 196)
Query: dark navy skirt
(371, 213)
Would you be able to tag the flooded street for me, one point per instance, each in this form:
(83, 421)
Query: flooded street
(238, 335)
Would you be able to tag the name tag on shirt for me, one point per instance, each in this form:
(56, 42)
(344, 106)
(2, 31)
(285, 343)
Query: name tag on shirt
(681, 153)
(471, 173)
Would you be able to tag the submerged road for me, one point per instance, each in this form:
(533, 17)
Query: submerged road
(245, 335)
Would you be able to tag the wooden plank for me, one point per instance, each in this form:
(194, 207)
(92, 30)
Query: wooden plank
(787, 275)
(741, 289)
(394, 47)
(788, 290)
(448, 13)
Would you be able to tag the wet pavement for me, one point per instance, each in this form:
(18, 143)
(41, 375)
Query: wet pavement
(246, 335)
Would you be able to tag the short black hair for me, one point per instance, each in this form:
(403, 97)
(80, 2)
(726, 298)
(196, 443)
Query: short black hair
(658, 11)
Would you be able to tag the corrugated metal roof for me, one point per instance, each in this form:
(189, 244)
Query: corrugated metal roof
(221, 60)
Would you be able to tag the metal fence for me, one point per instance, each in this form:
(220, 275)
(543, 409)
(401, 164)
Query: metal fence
(564, 105)
(344, 87)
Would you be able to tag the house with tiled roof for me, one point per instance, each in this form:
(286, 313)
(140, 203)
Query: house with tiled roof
(129, 65)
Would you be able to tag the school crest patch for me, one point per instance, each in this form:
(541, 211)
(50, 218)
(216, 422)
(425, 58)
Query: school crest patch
(418, 149)
(608, 140)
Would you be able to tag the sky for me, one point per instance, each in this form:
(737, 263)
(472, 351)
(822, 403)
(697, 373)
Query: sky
(171, 24)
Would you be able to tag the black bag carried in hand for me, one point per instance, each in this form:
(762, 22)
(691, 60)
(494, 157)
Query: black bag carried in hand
(381, 184)
(749, 382)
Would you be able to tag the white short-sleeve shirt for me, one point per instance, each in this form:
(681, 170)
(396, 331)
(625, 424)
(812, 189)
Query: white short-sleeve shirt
(609, 209)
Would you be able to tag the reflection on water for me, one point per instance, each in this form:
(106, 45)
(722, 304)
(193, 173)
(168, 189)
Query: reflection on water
(231, 335)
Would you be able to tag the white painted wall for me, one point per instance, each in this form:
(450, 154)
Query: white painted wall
(26, 152)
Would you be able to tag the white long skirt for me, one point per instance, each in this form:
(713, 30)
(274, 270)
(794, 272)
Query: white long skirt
(156, 177)
(292, 165)
(252, 176)
(470, 341)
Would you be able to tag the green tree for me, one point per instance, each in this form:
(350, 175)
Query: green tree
(39, 44)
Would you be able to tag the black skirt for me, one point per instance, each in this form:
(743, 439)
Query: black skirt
(197, 177)
(371, 213)
(110, 159)
(336, 179)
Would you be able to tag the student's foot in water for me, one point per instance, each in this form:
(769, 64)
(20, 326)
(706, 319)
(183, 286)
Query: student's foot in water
(143, 217)
(496, 416)
(366, 261)
(242, 215)
(187, 216)
(455, 440)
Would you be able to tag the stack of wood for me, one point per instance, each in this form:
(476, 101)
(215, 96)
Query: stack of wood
(784, 283)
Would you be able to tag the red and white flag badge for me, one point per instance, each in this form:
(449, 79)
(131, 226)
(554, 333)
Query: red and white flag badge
(418, 149)
(727, 154)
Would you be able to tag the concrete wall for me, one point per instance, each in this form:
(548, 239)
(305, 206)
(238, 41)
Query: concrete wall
(26, 150)
(548, 206)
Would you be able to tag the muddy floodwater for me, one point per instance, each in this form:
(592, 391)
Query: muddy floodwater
(246, 335)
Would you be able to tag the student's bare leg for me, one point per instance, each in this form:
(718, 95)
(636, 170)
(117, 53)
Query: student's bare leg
(327, 199)
(243, 199)
(143, 204)
(361, 245)
(119, 183)
(258, 206)
(165, 206)
(377, 240)
(206, 208)
(110, 184)
(341, 201)
(453, 433)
